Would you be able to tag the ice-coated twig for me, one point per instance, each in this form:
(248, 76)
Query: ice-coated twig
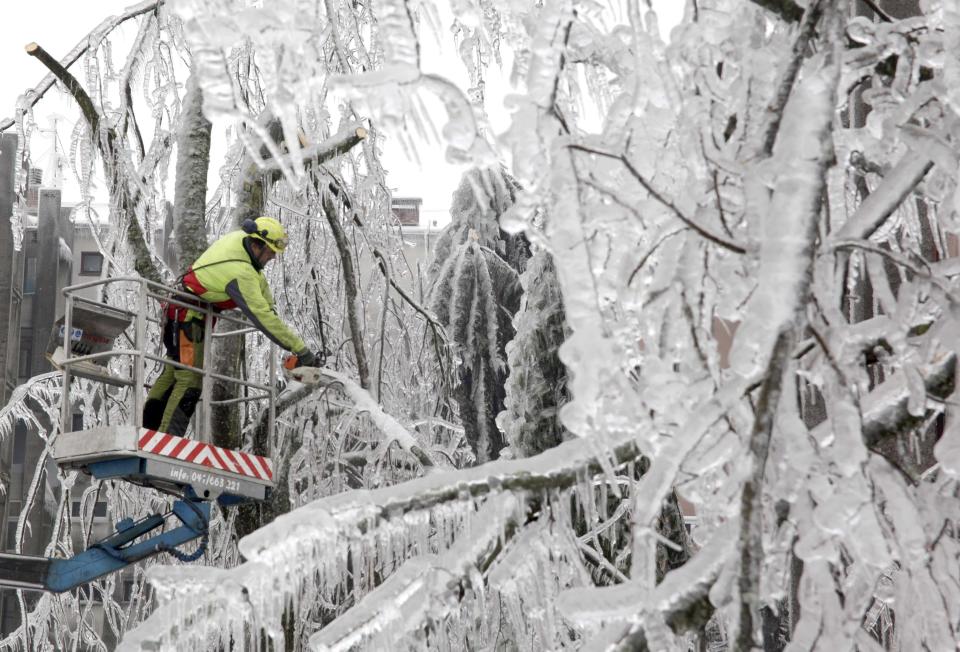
(690, 222)
(679, 592)
(914, 266)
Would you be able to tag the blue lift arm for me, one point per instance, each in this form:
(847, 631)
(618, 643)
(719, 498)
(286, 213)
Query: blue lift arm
(110, 554)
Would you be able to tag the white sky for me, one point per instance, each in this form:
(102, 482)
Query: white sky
(58, 25)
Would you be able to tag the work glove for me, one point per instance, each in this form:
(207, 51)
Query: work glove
(308, 358)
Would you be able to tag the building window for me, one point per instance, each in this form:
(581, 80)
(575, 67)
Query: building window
(30, 275)
(406, 210)
(77, 424)
(127, 596)
(19, 443)
(89, 593)
(91, 262)
(99, 509)
(11, 543)
(26, 352)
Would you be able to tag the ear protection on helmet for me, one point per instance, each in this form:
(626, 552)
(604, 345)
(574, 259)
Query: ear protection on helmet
(267, 230)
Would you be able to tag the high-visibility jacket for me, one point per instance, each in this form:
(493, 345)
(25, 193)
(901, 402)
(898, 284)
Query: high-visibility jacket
(227, 276)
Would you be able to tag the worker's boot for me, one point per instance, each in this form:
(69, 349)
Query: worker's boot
(180, 419)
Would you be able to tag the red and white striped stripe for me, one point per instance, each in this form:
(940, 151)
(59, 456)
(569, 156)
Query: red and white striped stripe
(191, 450)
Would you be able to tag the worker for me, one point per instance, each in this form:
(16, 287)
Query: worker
(229, 274)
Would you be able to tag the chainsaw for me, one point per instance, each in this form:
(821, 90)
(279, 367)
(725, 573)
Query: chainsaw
(306, 375)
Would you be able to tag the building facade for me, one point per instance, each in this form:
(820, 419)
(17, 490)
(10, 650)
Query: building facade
(54, 253)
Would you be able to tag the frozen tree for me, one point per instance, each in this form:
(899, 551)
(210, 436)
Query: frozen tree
(475, 276)
(749, 225)
(536, 386)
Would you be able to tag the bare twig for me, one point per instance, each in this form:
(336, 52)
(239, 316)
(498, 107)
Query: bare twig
(716, 194)
(650, 252)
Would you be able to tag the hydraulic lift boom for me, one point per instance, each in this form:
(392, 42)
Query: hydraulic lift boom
(83, 343)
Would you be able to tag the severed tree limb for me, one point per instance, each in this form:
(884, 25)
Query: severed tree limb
(90, 113)
(107, 142)
(81, 48)
(334, 146)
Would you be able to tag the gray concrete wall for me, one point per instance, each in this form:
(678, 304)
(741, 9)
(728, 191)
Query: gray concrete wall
(11, 272)
(49, 277)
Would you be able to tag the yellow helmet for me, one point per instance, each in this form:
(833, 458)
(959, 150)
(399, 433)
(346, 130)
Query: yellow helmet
(269, 230)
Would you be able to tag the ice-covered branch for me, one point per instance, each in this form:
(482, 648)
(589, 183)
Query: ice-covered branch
(389, 426)
(675, 600)
(351, 285)
(774, 110)
(424, 588)
(331, 522)
(94, 37)
(886, 197)
(804, 152)
(886, 410)
(107, 143)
